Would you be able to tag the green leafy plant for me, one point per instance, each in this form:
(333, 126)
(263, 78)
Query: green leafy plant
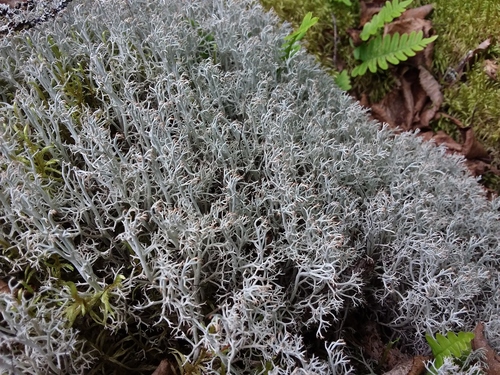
(388, 49)
(87, 304)
(382, 50)
(451, 345)
(40, 156)
(207, 45)
(389, 11)
(291, 45)
(200, 366)
(343, 80)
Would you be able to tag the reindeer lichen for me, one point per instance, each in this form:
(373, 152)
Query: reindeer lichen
(209, 209)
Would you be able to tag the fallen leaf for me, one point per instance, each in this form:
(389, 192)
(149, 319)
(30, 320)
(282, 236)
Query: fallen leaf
(433, 89)
(466, 60)
(392, 110)
(477, 167)
(441, 138)
(413, 366)
(407, 25)
(456, 121)
(490, 67)
(165, 368)
(420, 12)
(354, 35)
(413, 103)
(431, 86)
(492, 358)
(4, 287)
(368, 10)
(406, 89)
(472, 148)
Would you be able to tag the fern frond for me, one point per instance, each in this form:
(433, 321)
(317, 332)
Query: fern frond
(390, 48)
(343, 80)
(388, 12)
(449, 345)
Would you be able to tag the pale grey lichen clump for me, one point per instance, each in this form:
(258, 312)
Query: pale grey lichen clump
(212, 203)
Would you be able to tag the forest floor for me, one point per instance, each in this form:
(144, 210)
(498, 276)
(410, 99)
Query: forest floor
(449, 92)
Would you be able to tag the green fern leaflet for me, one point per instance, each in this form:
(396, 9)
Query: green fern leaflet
(343, 80)
(388, 12)
(451, 345)
(390, 48)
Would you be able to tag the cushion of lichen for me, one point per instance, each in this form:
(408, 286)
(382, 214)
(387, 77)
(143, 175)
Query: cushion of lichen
(185, 190)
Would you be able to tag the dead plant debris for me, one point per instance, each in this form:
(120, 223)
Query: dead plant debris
(492, 358)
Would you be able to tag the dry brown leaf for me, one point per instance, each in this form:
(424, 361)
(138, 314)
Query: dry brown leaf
(406, 26)
(469, 56)
(364, 100)
(401, 369)
(456, 121)
(354, 35)
(433, 89)
(406, 89)
(420, 98)
(472, 148)
(431, 86)
(165, 368)
(392, 110)
(413, 366)
(403, 106)
(420, 12)
(368, 10)
(477, 167)
(480, 342)
(426, 135)
(4, 287)
(414, 94)
(490, 67)
(441, 138)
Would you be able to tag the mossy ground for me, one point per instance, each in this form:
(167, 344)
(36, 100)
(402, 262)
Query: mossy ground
(461, 26)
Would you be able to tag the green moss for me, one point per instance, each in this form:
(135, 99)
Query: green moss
(462, 25)
(475, 103)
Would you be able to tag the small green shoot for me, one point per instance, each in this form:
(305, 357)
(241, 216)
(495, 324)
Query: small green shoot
(291, 45)
(43, 161)
(200, 366)
(83, 305)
